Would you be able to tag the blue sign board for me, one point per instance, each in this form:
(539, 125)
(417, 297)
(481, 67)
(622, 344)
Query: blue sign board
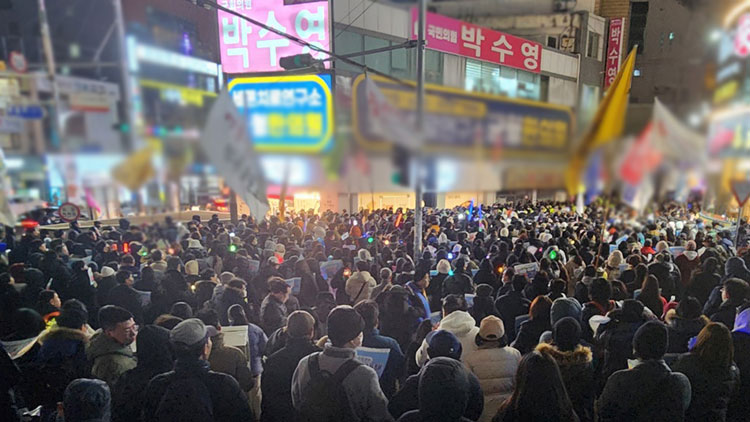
(286, 113)
(29, 112)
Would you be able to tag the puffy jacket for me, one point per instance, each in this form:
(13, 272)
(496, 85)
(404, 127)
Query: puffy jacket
(108, 358)
(359, 286)
(458, 284)
(681, 330)
(273, 314)
(495, 368)
(577, 373)
(231, 361)
(463, 326)
(276, 404)
(712, 388)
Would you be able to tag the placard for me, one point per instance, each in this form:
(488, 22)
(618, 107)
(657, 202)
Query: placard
(294, 283)
(329, 269)
(374, 358)
(529, 269)
(235, 336)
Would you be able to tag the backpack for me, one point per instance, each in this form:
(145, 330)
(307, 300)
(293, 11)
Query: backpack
(185, 400)
(324, 398)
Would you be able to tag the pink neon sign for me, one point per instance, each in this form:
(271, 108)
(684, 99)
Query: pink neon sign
(248, 48)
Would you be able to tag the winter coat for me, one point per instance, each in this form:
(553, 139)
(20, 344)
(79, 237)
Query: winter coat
(231, 361)
(463, 326)
(735, 267)
(79, 287)
(701, 285)
(359, 286)
(616, 339)
(273, 314)
(577, 372)
(682, 330)
(589, 310)
(228, 402)
(10, 301)
(108, 358)
(482, 308)
(687, 263)
(650, 392)
(229, 298)
(510, 306)
(276, 383)
(669, 278)
(727, 312)
(128, 298)
(529, 334)
(394, 366)
(308, 290)
(421, 303)
(739, 406)
(458, 284)
(435, 291)
(398, 317)
(407, 398)
(495, 367)
(711, 387)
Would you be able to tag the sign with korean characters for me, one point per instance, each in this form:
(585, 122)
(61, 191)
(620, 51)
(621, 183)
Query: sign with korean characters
(614, 50)
(460, 120)
(453, 36)
(248, 48)
(286, 113)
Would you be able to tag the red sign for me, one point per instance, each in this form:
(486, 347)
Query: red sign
(466, 39)
(69, 212)
(741, 191)
(614, 49)
(18, 62)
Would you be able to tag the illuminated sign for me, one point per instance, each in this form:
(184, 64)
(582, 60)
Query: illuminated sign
(286, 113)
(159, 56)
(457, 119)
(247, 48)
(178, 94)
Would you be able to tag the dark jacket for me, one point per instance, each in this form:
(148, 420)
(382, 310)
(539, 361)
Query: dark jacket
(276, 382)
(681, 331)
(529, 333)
(589, 310)
(616, 339)
(669, 278)
(712, 388)
(510, 306)
(398, 317)
(128, 298)
(230, 297)
(435, 291)
(308, 290)
(229, 402)
(394, 366)
(577, 372)
(701, 285)
(483, 307)
(405, 405)
(458, 284)
(273, 314)
(650, 392)
(739, 407)
(727, 312)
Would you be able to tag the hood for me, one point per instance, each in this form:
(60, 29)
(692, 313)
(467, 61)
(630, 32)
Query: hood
(459, 323)
(689, 325)
(153, 347)
(742, 322)
(62, 334)
(361, 276)
(735, 267)
(443, 387)
(581, 355)
(690, 255)
(102, 345)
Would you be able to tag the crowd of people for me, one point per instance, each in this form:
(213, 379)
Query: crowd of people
(510, 312)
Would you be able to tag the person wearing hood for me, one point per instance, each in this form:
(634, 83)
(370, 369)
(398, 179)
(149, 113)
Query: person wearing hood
(734, 268)
(687, 262)
(437, 284)
(442, 393)
(704, 280)
(575, 363)
(684, 323)
(734, 294)
(616, 336)
(513, 304)
(484, 303)
(226, 359)
(399, 318)
(494, 363)
(457, 321)
(561, 308)
(371, 337)
(739, 406)
(109, 351)
(486, 274)
(155, 356)
(360, 284)
(192, 271)
(614, 261)
(713, 376)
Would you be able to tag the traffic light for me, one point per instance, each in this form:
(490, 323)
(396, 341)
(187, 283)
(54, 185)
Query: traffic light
(298, 61)
(401, 163)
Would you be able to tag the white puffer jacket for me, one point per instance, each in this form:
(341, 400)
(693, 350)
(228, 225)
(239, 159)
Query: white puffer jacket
(463, 326)
(496, 370)
(359, 286)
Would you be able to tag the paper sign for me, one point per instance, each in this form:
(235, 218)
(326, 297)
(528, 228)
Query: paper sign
(294, 283)
(235, 336)
(329, 269)
(532, 249)
(620, 240)
(469, 299)
(344, 236)
(612, 248)
(374, 358)
(529, 269)
(144, 298)
(253, 266)
(350, 247)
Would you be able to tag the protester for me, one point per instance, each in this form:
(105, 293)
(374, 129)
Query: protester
(733, 295)
(457, 321)
(684, 323)
(86, 400)
(484, 303)
(371, 337)
(109, 350)
(360, 284)
(226, 359)
(532, 329)
(273, 311)
(513, 304)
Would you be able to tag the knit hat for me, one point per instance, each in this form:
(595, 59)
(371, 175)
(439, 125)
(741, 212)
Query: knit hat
(444, 266)
(344, 324)
(87, 399)
(566, 333)
(491, 328)
(565, 307)
(651, 340)
(107, 271)
(443, 343)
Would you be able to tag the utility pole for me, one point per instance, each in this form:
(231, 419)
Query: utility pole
(49, 54)
(420, 128)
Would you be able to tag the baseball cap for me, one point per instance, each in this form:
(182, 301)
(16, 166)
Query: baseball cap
(491, 328)
(443, 343)
(191, 332)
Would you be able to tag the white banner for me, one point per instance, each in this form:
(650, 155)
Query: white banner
(228, 146)
(387, 121)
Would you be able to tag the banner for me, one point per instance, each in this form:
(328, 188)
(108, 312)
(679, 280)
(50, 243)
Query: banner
(374, 358)
(228, 147)
(385, 121)
(614, 50)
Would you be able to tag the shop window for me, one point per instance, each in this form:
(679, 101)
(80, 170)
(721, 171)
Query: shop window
(551, 42)
(500, 80)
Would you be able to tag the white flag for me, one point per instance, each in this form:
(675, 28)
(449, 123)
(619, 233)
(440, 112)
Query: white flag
(6, 214)
(227, 144)
(388, 122)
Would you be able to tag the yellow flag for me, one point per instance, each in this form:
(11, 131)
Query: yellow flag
(607, 125)
(136, 170)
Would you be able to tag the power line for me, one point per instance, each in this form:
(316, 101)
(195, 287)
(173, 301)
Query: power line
(355, 19)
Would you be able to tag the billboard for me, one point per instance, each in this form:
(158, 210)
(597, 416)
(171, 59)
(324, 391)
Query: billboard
(286, 113)
(465, 39)
(462, 120)
(614, 50)
(247, 48)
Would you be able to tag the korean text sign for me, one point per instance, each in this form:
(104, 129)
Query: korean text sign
(286, 113)
(466, 39)
(248, 48)
(614, 48)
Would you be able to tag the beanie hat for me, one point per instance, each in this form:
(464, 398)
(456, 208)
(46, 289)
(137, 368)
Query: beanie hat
(491, 328)
(566, 333)
(443, 266)
(651, 340)
(344, 324)
(565, 307)
(443, 343)
(107, 271)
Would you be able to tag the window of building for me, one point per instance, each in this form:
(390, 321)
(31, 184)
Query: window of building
(396, 62)
(592, 49)
(638, 15)
(551, 42)
(500, 80)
